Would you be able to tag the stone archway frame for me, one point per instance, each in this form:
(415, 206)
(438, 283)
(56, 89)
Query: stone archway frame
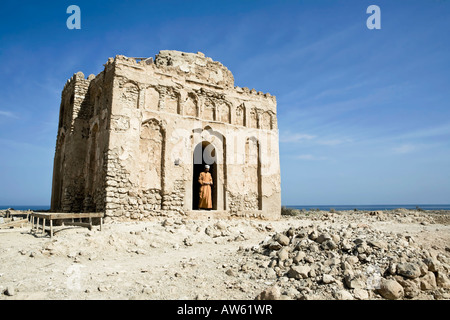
(218, 142)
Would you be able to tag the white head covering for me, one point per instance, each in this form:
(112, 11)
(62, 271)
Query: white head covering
(206, 167)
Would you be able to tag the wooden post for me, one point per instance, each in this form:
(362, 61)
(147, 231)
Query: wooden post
(37, 225)
(51, 229)
(43, 226)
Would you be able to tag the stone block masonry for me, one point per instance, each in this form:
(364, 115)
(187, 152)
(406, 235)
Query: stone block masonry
(128, 140)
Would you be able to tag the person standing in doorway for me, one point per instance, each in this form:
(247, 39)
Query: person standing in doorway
(206, 182)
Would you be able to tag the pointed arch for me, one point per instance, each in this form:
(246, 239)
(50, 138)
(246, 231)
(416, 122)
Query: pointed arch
(152, 151)
(239, 118)
(130, 94)
(224, 112)
(191, 105)
(266, 121)
(253, 121)
(252, 173)
(209, 110)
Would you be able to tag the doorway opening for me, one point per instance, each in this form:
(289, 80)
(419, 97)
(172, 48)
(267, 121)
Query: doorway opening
(204, 154)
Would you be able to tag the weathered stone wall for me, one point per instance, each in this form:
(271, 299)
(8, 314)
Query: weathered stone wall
(78, 178)
(139, 125)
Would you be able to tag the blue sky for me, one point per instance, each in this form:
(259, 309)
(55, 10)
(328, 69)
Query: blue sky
(363, 115)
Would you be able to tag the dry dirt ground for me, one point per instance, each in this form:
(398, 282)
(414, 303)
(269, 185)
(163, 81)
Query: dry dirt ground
(184, 258)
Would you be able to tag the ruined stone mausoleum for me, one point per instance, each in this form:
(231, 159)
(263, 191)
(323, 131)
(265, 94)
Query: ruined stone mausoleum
(133, 140)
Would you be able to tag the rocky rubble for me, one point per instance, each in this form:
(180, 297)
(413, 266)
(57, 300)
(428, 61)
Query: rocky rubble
(324, 255)
(348, 262)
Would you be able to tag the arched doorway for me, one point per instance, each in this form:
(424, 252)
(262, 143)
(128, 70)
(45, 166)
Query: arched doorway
(204, 153)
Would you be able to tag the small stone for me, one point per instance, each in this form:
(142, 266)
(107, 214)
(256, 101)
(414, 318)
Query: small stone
(282, 239)
(299, 257)
(283, 254)
(409, 270)
(411, 287)
(103, 288)
(336, 238)
(390, 289)
(274, 245)
(428, 282)
(213, 232)
(221, 225)
(327, 279)
(271, 274)
(423, 268)
(168, 222)
(188, 242)
(272, 293)
(323, 237)
(352, 260)
(392, 269)
(230, 272)
(10, 291)
(354, 282)
(313, 235)
(328, 245)
(377, 244)
(361, 294)
(290, 232)
(432, 264)
(442, 280)
(343, 295)
(346, 245)
(299, 272)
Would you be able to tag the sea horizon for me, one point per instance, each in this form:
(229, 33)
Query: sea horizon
(372, 207)
(339, 207)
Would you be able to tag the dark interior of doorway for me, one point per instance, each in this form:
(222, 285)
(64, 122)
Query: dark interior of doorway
(198, 168)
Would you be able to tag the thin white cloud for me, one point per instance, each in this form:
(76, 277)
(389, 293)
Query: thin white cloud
(333, 142)
(295, 137)
(7, 114)
(427, 132)
(310, 157)
(405, 148)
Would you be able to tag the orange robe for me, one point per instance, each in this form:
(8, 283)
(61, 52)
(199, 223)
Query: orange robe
(205, 190)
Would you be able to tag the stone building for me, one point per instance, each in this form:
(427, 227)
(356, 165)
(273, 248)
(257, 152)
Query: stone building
(133, 140)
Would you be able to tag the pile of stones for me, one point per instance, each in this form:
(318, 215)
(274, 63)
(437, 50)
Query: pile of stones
(348, 262)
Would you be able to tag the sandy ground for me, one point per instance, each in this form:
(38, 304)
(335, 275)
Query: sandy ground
(179, 258)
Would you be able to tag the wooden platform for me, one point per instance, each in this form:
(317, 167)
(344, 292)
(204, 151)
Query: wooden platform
(51, 216)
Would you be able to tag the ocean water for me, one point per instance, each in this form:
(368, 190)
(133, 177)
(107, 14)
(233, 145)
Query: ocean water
(374, 207)
(27, 207)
